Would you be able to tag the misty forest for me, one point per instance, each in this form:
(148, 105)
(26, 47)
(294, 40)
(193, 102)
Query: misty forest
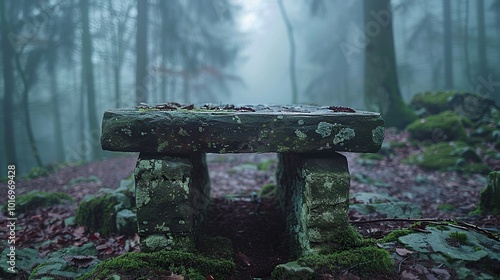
(263, 139)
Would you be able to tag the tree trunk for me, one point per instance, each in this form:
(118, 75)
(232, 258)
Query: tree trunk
(466, 46)
(141, 72)
(481, 41)
(89, 79)
(58, 133)
(381, 87)
(28, 76)
(447, 48)
(291, 40)
(9, 88)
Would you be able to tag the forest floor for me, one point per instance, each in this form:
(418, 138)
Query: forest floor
(258, 239)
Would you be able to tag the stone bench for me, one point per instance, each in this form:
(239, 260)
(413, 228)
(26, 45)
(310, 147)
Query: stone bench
(172, 181)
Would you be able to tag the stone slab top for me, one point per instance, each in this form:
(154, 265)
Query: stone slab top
(172, 128)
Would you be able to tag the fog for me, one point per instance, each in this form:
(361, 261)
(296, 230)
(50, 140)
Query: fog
(63, 67)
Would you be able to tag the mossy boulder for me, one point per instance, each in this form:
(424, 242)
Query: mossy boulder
(469, 105)
(433, 102)
(446, 126)
(97, 214)
(448, 156)
(490, 195)
(113, 211)
(157, 264)
(35, 199)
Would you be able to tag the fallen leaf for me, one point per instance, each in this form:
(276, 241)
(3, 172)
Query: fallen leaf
(403, 252)
(408, 275)
(442, 273)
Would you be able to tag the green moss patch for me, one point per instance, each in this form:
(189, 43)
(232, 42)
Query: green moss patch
(97, 214)
(433, 102)
(395, 234)
(364, 261)
(152, 265)
(450, 156)
(35, 199)
(490, 196)
(446, 126)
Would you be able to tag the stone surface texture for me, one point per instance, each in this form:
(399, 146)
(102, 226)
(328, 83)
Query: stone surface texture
(314, 190)
(265, 129)
(172, 193)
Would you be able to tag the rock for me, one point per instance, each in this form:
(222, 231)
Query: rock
(469, 105)
(450, 156)
(111, 212)
(490, 195)
(268, 129)
(292, 271)
(446, 126)
(126, 222)
(172, 193)
(314, 190)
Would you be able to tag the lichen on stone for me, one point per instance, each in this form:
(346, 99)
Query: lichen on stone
(300, 134)
(378, 134)
(343, 135)
(237, 119)
(324, 129)
(183, 132)
(157, 242)
(162, 227)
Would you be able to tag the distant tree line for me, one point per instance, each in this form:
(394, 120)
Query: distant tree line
(64, 62)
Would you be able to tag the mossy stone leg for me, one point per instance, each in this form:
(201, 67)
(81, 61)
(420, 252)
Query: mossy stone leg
(314, 191)
(172, 192)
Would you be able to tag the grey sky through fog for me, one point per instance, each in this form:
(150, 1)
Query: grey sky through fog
(265, 66)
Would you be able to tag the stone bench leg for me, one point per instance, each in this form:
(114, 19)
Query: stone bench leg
(314, 194)
(172, 193)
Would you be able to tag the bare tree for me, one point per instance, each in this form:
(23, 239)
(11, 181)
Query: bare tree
(291, 41)
(141, 88)
(381, 78)
(9, 87)
(447, 49)
(88, 74)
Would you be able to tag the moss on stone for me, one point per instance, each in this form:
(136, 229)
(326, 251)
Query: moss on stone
(433, 102)
(215, 246)
(456, 156)
(292, 271)
(446, 126)
(35, 199)
(364, 261)
(97, 214)
(489, 201)
(459, 237)
(395, 234)
(149, 265)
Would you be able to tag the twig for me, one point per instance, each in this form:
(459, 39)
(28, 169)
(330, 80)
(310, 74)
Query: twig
(436, 221)
(402, 220)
